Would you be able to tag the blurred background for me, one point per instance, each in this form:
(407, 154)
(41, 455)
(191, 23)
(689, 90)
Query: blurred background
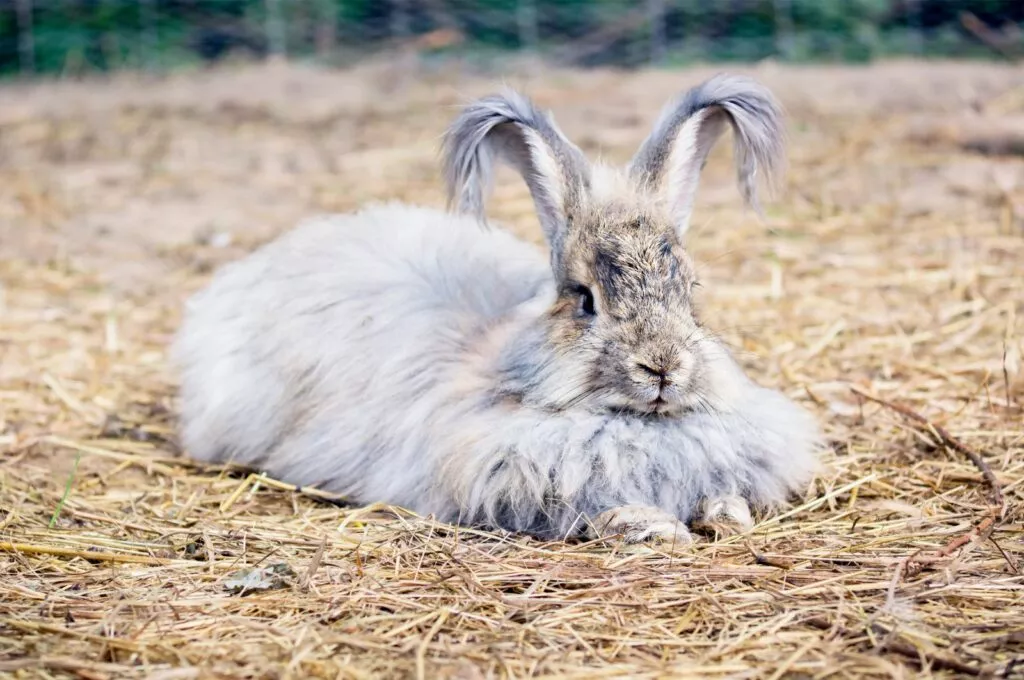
(69, 37)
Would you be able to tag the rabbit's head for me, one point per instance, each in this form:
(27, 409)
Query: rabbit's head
(623, 323)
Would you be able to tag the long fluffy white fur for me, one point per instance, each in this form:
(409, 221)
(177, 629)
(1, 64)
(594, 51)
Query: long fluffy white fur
(358, 353)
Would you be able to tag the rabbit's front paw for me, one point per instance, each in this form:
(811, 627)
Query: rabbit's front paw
(724, 516)
(639, 523)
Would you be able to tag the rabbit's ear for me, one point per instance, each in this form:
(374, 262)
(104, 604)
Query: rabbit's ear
(508, 126)
(672, 157)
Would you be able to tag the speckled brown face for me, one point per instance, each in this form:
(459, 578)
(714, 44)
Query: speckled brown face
(626, 303)
(622, 333)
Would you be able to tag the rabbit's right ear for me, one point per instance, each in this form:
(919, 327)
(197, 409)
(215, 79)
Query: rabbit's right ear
(671, 158)
(508, 126)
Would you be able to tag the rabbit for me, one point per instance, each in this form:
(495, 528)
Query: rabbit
(422, 358)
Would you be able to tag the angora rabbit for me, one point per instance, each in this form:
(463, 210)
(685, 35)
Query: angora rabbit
(420, 358)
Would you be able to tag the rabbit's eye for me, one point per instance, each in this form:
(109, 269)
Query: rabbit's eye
(586, 300)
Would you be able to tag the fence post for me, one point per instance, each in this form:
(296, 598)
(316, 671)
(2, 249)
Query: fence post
(149, 41)
(326, 29)
(276, 41)
(915, 24)
(526, 18)
(784, 28)
(26, 38)
(656, 17)
(399, 19)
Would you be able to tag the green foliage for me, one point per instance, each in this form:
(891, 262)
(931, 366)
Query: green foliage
(71, 36)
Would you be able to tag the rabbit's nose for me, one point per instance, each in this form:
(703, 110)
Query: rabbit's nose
(658, 370)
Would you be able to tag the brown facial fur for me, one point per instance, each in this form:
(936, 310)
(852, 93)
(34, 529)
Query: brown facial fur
(643, 334)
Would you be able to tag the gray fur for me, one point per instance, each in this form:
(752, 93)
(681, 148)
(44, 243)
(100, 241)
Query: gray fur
(756, 119)
(504, 126)
(404, 355)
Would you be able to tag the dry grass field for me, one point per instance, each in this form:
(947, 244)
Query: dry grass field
(885, 290)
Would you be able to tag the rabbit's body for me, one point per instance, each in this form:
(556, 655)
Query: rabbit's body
(334, 355)
(409, 356)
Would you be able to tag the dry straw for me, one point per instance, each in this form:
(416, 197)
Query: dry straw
(886, 293)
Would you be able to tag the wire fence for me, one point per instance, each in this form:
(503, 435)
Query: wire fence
(70, 37)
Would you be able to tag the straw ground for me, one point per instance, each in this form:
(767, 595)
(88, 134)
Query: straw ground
(885, 292)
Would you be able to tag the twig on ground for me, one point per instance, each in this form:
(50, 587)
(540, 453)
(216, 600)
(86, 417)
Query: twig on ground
(314, 564)
(946, 439)
(917, 561)
(769, 560)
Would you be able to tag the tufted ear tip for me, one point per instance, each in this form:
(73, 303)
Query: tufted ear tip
(509, 127)
(672, 157)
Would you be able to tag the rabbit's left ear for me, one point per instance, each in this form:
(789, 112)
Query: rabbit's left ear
(508, 126)
(671, 159)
